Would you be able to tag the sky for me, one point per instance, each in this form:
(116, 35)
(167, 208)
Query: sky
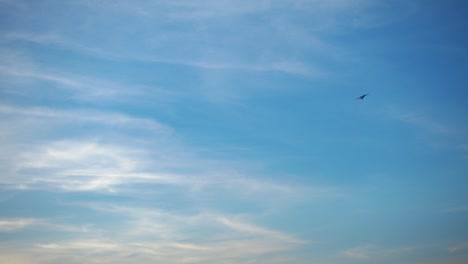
(228, 131)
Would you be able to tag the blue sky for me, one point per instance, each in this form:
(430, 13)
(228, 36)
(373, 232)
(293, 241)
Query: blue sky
(225, 132)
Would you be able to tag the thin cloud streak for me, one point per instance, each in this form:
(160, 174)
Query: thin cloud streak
(105, 165)
(173, 236)
(286, 34)
(244, 227)
(459, 247)
(76, 166)
(456, 209)
(18, 224)
(84, 115)
(165, 252)
(10, 225)
(183, 225)
(421, 121)
(374, 253)
(287, 66)
(186, 13)
(360, 253)
(212, 9)
(82, 88)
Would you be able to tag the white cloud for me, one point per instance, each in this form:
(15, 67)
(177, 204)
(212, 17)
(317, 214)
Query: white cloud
(183, 226)
(83, 244)
(211, 36)
(255, 230)
(101, 88)
(103, 251)
(18, 224)
(212, 9)
(48, 39)
(447, 134)
(86, 165)
(149, 234)
(56, 116)
(381, 254)
(290, 40)
(19, 70)
(108, 161)
(103, 163)
(422, 121)
(361, 252)
(459, 247)
(8, 225)
(456, 209)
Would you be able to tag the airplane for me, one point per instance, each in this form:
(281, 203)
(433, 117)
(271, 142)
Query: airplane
(361, 97)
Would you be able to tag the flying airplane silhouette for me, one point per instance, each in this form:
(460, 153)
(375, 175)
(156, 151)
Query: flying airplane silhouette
(361, 97)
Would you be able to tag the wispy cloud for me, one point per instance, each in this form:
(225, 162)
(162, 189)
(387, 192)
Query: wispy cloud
(370, 253)
(200, 39)
(84, 244)
(8, 225)
(255, 230)
(285, 65)
(74, 162)
(51, 39)
(206, 39)
(207, 10)
(114, 162)
(182, 225)
(167, 252)
(87, 165)
(19, 69)
(361, 252)
(459, 247)
(152, 234)
(51, 115)
(103, 164)
(456, 209)
(18, 224)
(423, 122)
